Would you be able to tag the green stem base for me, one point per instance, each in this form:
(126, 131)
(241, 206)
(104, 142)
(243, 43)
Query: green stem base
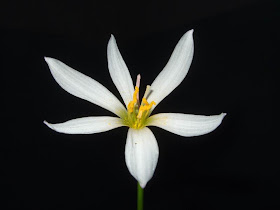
(140, 197)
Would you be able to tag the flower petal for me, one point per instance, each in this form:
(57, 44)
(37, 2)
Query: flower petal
(141, 154)
(119, 72)
(186, 124)
(84, 87)
(175, 70)
(87, 125)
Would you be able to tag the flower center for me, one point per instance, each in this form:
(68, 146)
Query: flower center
(137, 114)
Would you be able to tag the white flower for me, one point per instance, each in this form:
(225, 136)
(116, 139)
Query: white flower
(141, 150)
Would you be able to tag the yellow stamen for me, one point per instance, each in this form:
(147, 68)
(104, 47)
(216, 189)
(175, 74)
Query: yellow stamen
(137, 114)
(144, 100)
(145, 107)
(130, 106)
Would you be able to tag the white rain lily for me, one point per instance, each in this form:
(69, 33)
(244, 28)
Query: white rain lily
(141, 149)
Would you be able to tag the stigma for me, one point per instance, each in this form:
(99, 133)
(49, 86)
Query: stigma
(138, 113)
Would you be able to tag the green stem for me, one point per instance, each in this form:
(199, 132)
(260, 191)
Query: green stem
(140, 197)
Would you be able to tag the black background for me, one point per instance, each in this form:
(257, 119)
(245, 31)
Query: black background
(234, 70)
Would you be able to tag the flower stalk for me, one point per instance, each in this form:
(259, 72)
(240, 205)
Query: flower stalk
(140, 197)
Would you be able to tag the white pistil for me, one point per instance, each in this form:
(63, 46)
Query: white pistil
(138, 85)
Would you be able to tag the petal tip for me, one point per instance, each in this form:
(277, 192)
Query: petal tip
(111, 44)
(112, 38)
(189, 33)
(48, 124)
(47, 59)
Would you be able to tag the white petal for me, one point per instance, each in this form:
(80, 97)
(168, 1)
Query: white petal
(141, 154)
(175, 70)
(119, 72)
(186, 124)
(87, 125)
(84, 87)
